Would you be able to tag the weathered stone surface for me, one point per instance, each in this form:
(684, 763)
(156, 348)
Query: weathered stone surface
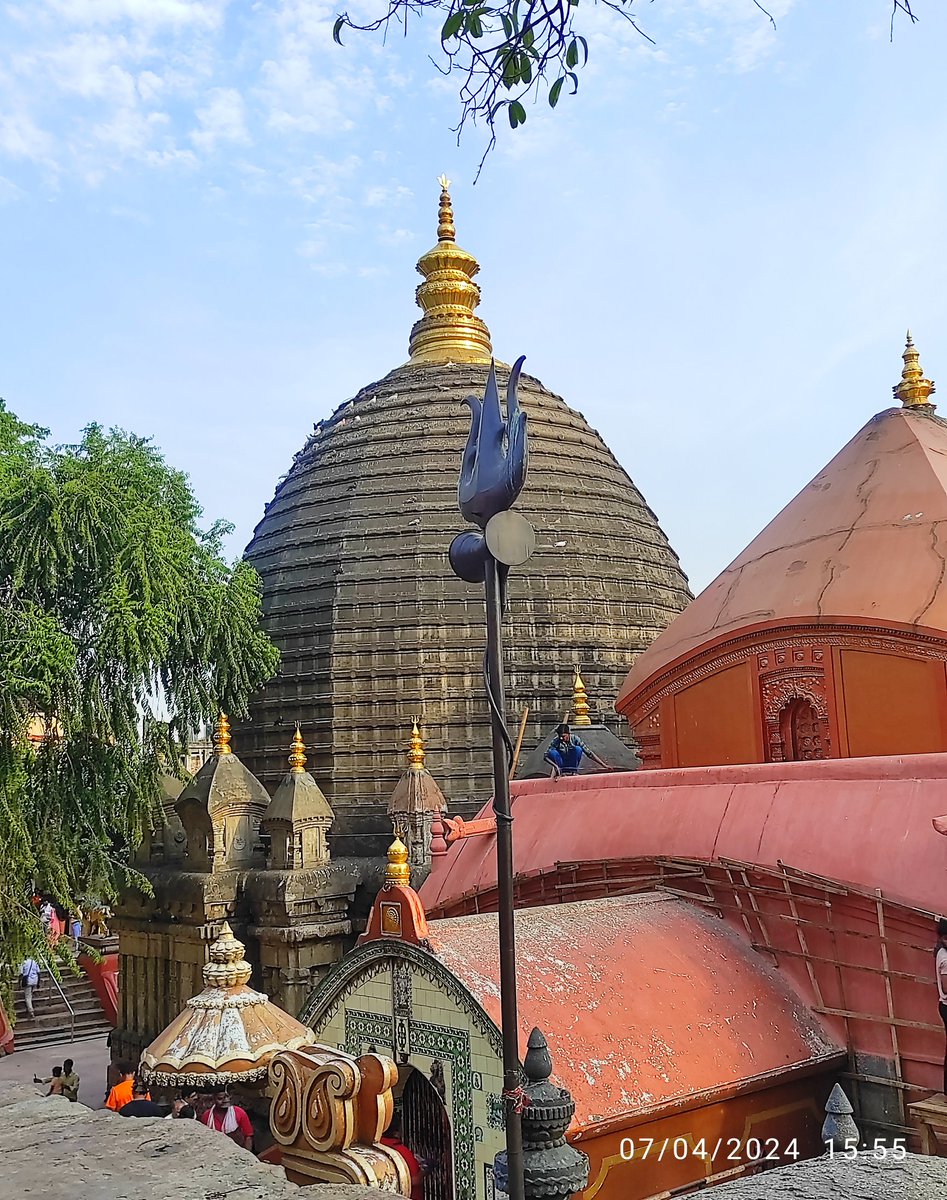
(58, 1151)
(375, 629)
(863, 1178)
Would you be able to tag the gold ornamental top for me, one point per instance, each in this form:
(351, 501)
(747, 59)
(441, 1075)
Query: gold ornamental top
(222, 736)
(416, 750)
(398, 870)
(449, 331)
(297, 757)
(914, 390)
(580, 702)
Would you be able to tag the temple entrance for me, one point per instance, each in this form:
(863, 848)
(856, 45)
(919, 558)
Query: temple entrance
(426, 1131)
(804, 733)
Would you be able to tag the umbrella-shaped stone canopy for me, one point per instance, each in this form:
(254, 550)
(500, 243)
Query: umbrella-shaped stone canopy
(227, 1034)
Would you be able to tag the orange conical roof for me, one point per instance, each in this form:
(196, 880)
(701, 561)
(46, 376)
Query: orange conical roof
(867, 538)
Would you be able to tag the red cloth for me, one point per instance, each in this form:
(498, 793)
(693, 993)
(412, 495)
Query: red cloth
(214, 1117)
(414, 1167)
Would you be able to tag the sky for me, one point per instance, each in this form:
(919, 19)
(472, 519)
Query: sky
(210, 216)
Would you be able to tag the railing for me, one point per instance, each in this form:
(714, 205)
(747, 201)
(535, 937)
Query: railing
(72, 1012)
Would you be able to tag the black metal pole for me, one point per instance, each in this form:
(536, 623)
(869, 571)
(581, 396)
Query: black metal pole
(512, 1080)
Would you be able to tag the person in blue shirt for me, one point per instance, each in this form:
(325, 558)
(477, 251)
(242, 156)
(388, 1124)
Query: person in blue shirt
(567, 751)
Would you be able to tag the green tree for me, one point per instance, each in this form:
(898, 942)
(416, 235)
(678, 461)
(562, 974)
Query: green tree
(123, 625)
(508, 52)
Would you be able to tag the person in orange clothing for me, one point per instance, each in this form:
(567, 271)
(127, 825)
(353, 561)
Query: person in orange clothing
(124, 1090)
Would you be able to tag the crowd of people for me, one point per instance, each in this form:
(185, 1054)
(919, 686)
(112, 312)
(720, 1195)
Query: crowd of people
(130, 1097)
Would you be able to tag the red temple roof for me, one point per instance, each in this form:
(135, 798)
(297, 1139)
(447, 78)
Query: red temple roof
(645, 1000)
(865, 539)
(865, 821)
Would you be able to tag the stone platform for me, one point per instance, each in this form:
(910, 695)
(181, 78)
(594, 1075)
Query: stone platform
(916, 1177)
(57, 1150)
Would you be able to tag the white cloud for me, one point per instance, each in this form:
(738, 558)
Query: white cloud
(207, 14)
(221, 119)
(20, 137)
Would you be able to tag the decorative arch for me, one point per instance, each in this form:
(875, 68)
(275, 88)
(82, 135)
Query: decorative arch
(400, 1033)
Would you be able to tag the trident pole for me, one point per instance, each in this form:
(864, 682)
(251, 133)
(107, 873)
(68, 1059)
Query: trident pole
(512, 1082)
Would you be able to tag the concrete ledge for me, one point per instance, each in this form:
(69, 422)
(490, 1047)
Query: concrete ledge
(58, 1151)
(917, 1177)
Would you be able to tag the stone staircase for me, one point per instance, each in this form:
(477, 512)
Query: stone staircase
(52, 1024)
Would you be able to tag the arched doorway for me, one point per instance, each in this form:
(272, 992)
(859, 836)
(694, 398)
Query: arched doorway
(803, 732)
(426, 1130)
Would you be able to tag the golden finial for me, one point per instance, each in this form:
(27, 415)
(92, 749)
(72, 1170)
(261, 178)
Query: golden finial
(580, 702)
(416, 749)
(222, 736)
(397, 870)
(297, 757)
(913, 390)
(445, 213)
(449, 331)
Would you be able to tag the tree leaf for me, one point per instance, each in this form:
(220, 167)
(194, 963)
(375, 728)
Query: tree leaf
(572, 54)
(337, 30)
(554, 92)
(517, 114)
(452, 26)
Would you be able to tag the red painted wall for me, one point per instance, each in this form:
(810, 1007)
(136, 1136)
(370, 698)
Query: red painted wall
(871, 690)
(714, 721)
(892, 705)
(103, 976)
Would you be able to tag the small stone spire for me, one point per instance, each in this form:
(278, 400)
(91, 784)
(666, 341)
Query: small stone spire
(416, 749)
(580, 702)
(839, 1129)
(552, 1169)
(297, 757)
(222, 736)
(449, 331)
(914, 391)
(227, 967)
(398, 870)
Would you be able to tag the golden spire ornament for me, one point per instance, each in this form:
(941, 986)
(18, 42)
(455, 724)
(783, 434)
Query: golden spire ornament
(222, 736)
(397, 871)
(914, 390)
(580, 702)
(446, 232)
(449, 331)
(416, 750)
(297, 757)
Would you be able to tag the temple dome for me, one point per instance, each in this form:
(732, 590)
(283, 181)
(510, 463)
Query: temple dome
(358, 594)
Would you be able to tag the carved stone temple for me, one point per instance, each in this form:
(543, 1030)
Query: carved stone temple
(374, 628)
(227, 852)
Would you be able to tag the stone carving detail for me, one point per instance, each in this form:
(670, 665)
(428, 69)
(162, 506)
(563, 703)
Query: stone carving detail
(329, 1113)
(795, 712)
(552, 1169)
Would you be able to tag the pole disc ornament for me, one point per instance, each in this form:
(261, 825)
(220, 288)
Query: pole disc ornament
(510, 538)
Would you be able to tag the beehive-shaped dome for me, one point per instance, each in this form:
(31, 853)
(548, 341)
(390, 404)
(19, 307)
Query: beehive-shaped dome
(373, 626)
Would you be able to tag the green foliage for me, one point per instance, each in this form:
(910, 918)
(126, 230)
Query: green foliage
(508, 52)
(122, 624)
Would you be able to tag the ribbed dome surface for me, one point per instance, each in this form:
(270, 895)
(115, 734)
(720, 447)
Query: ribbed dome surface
(375, 629)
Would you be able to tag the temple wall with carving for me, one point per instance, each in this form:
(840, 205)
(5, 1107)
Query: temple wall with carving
(795, 692)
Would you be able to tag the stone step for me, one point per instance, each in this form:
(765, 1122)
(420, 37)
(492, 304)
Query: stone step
(61, 1038)
(52, 1023)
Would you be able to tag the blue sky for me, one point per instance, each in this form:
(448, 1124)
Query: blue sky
(210, 215)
